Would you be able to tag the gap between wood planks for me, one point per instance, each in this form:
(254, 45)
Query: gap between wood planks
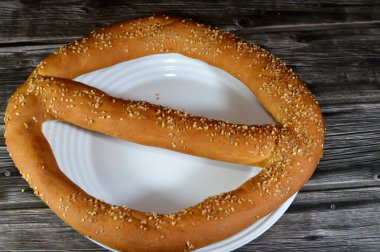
(306, 27)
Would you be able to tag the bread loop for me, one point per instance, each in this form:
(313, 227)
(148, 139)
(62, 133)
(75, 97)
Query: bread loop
(288, 152)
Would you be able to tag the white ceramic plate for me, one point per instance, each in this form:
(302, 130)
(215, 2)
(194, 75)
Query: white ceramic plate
(153, 179)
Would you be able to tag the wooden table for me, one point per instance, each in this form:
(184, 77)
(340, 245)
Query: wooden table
(333, 45)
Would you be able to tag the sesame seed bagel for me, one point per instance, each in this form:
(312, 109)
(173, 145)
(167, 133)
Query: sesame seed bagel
(288, 151)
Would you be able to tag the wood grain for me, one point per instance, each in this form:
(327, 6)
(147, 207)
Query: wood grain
(333, 46)
(31, 21)
(322, 220)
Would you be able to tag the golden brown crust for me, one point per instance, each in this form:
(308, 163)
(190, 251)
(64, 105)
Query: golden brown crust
(289, 151)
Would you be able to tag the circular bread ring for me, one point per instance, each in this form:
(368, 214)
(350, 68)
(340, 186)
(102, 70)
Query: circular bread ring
(288, 152)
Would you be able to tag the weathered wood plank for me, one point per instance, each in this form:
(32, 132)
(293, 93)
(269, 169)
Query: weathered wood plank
(38, 229)
(333, 220)
(25, 21)
(323, 220)
(327, 60)
(15, 193)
